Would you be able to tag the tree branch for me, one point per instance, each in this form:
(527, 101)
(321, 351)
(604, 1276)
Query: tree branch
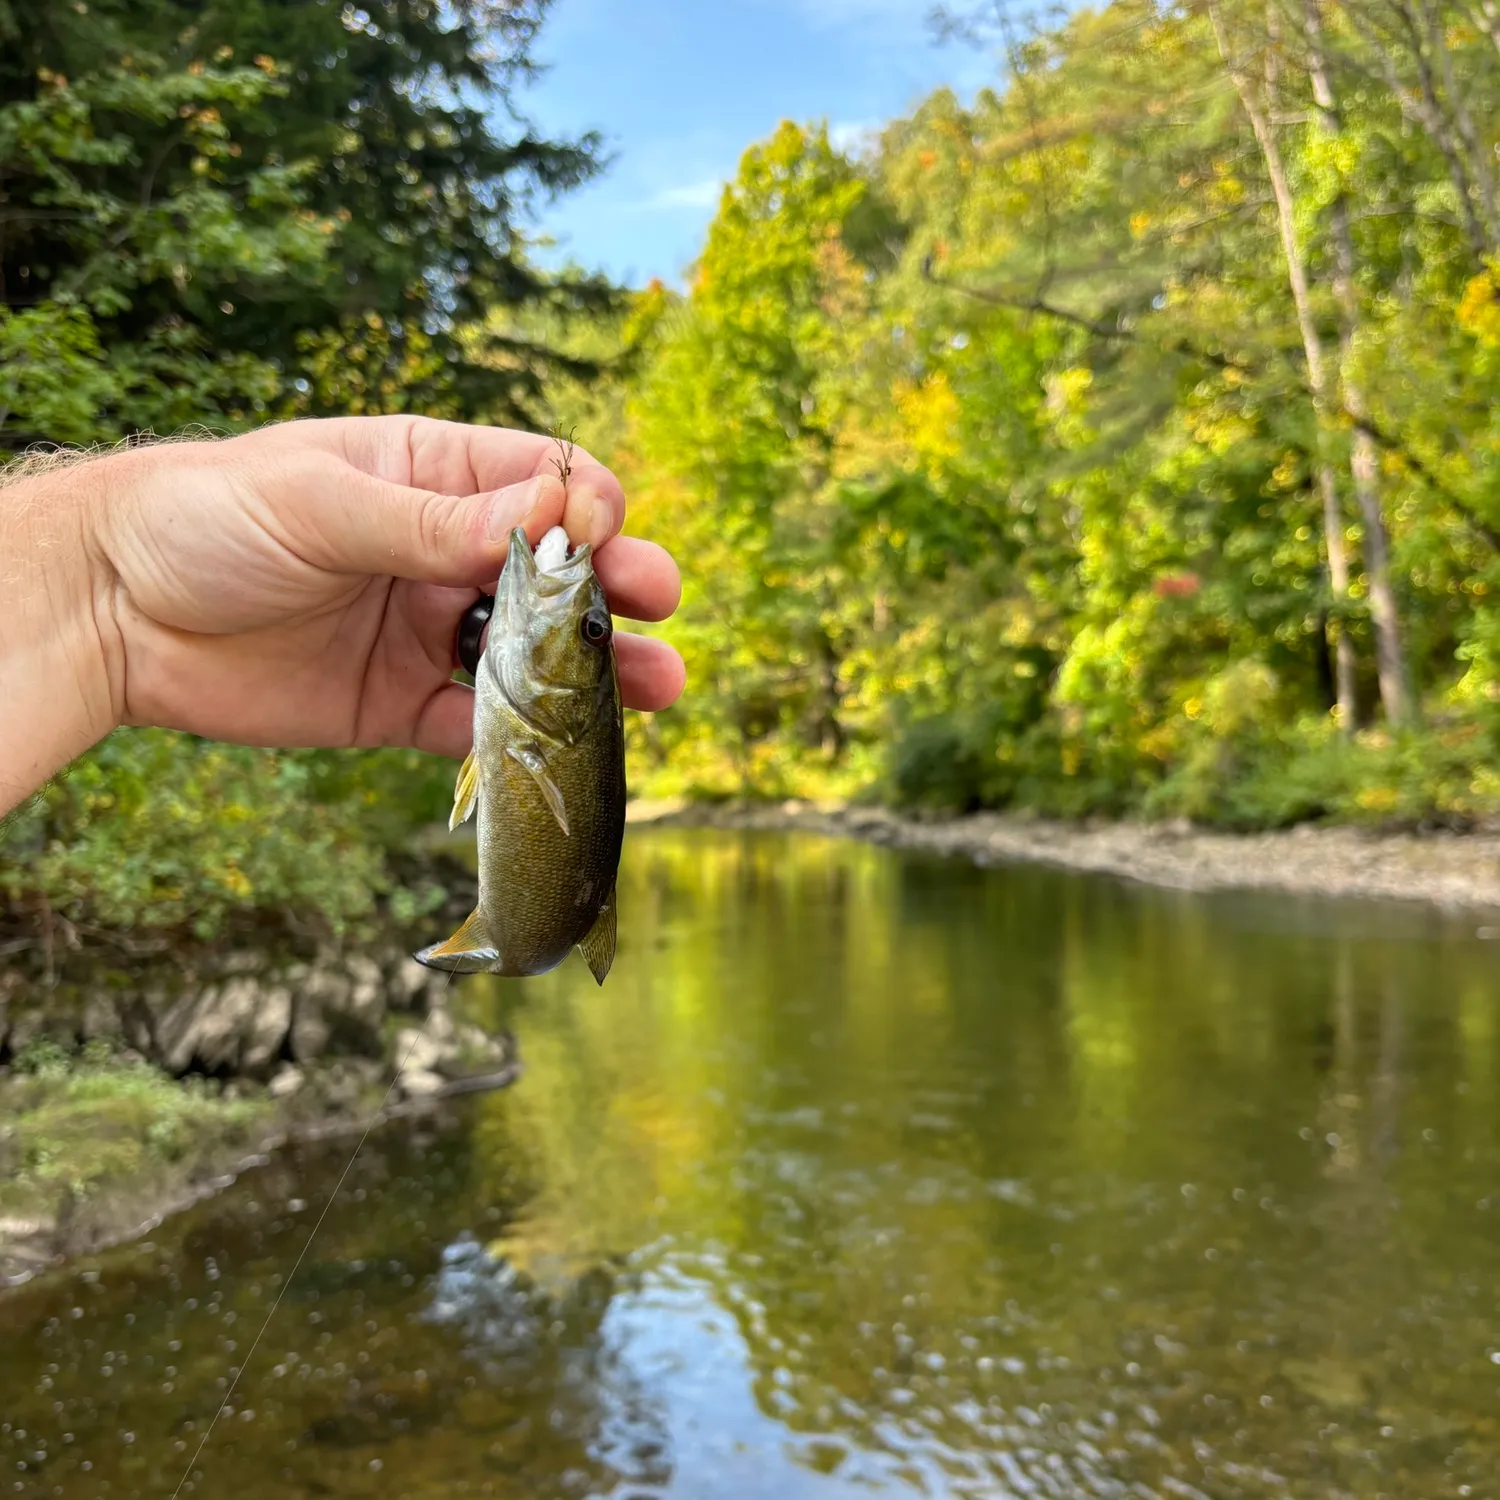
(1481, 528)
(1042, 307)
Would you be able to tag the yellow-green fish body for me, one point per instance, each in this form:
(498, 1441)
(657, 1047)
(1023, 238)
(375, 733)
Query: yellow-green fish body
(546, 779)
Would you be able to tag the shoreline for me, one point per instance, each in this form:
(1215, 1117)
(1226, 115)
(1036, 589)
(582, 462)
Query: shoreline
(1452, 871)
(132, 1088)
(129, 1208)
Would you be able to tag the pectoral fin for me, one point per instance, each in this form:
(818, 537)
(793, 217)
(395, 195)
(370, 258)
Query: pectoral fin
(465, 792)
(469, 951)
(530, 757)
(599, 946)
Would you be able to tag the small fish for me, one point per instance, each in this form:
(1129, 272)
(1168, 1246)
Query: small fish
(546, 777)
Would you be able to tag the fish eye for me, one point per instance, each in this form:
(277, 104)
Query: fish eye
(595, 631)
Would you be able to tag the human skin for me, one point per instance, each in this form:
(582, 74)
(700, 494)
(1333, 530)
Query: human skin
(298, 585)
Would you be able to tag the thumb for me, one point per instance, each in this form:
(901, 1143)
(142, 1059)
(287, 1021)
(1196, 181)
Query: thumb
(364, 524)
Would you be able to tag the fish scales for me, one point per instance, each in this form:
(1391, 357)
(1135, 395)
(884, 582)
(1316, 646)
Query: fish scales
(546, 779)
(540, 888)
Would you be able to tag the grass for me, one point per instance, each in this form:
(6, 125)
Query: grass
(73, 1124)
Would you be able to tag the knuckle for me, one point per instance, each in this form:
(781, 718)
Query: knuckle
(436, 523)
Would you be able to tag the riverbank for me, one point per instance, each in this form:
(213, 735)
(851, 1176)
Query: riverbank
(98, 1149)
(137, 1077)
(93, 1153)
(1455, 871)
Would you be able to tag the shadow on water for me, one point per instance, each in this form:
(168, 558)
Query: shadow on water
(865, 1172)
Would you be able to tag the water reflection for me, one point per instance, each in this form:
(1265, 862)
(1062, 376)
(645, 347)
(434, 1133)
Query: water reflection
(863, 1173)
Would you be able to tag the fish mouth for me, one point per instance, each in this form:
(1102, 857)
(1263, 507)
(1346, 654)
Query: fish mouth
(550, 568)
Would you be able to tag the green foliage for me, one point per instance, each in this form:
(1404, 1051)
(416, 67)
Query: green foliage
(88, 1120)
(993, 460)
(158, 830)
(42, 1059)
(221, 213)
(991, 455)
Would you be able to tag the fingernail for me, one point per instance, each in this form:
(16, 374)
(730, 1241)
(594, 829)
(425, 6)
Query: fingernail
(510, 508)
(601, 518)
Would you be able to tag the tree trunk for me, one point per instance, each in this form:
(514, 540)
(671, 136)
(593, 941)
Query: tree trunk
(1364, 464)
(1346, 700)
(1317, 364)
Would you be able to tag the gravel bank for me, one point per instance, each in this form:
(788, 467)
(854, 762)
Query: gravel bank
(1450, 870)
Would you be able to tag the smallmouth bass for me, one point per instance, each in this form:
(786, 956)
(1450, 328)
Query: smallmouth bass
(546, 778)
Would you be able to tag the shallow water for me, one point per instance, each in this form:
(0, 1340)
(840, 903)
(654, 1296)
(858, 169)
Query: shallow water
(865, 1173)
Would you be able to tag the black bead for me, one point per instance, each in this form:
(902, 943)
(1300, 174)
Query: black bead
(471, 632)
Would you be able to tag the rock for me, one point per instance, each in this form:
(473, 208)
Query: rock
(287, 1080)
(25, 1028)
(60, 1019)
(241, 1014)
(138, 1016)
(176, 1029)
(339, 1011)
(101, 1019)
(408, 983)
(420, 1083)
(473, 1050)
(367, 997)
(417, 1051)
(268, 1030)
(450, 1048)
(339, 1087)
(309, 1030)
(319, 996)
(216, 1026)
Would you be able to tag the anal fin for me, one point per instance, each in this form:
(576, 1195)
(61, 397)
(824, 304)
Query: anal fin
(470, 950)
(598, 946)
(465, 792)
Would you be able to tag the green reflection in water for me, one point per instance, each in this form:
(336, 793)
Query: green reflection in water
(864, 1171)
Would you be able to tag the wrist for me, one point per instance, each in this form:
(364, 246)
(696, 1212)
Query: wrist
(57, 687)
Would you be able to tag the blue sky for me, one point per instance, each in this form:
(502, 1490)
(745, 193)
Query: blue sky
(679, 88)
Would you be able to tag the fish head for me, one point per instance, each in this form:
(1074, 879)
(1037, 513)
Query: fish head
(551, 639)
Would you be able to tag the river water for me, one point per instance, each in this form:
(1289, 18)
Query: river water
(866, 1173)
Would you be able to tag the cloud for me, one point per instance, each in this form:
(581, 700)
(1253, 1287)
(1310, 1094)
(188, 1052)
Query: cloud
(703, 194)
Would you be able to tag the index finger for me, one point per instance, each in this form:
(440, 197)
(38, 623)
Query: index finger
(456, 458)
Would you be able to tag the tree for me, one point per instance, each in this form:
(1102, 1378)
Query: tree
(226, 212)
(231, 210)
(1076, 441)
(1325, 393)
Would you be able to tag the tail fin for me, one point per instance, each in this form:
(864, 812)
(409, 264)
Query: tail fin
(469, 951)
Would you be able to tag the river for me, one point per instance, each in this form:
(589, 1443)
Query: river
(864, 1173)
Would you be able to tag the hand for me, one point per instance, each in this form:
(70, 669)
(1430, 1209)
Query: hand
(302, 585)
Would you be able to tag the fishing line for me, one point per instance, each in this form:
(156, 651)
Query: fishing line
(374, 1120)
